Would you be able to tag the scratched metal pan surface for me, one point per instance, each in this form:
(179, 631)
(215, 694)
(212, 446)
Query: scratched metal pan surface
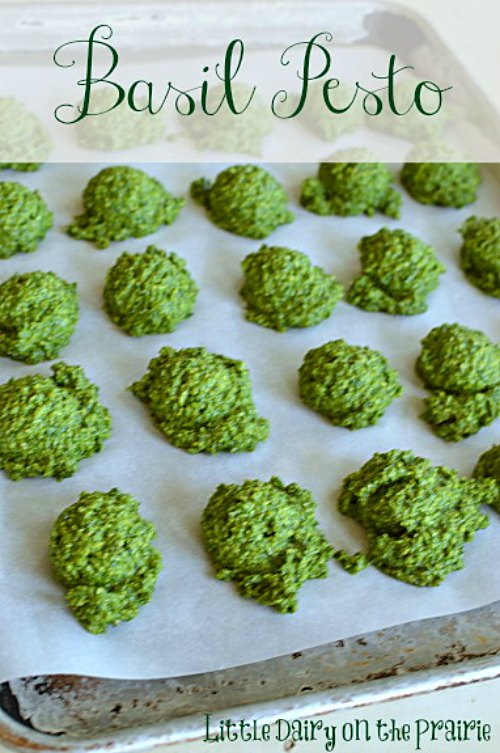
(74, 713)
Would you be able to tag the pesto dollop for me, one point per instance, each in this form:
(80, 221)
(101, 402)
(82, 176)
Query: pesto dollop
(417, 517)
(398, 273)
(488, 466)
(480, 253)
(282, 289)
(201, 401)
(122, 202)
(413, 125)
(354, 187)
(120, 127)
(100, 551)
(263, 536)
(350, 385)
(25, 144)
(461, 367)
(24, 219)
(38, 315)
(149, 293)
(447, 184)
(245, 200)
(222, 131)
(331, 125)
(48, 425)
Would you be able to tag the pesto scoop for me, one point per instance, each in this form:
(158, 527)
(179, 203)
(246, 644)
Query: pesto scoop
(48, 425)
(202, 402)
(100, 551)
(461, 367)
(122, 202)
(417, 517)
(245, 200)
(38, 315)
(350, 385)
(282, 289)
(451, 183)
(264, 537)
(488, 466)
(398, 273)
(25, 144)
(24, 219)
(351, 185)
(149, 293)
(480, 253)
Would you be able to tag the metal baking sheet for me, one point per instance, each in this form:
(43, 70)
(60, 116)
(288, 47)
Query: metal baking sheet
(64, 712)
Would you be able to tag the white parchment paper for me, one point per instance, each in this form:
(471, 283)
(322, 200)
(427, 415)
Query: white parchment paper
(194, 622)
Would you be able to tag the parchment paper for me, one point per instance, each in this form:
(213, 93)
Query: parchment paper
(194, 622)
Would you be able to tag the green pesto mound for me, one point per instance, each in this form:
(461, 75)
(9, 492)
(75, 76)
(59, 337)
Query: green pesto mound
(488, 466)
(264, 537)
(48, 425)
(417, 517)
(348, 186)
(449, 183)
(24, 219)
(38, 315)
(24, 142)
(331, 125)
(398, 273)
(225, 132)
(461, 367)
(118, 128)
(480, 253)
(100, 550)
(149, 293)
(282, 289)
(122, 202)
(202, 402)
(413, 125)
(245, 200)
(350, 385)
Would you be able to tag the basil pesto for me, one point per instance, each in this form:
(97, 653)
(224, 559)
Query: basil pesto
(202, 402)
(24, 219)
(461, 367)
(122, 202)
(398, 273)
(350, 385)
(38, 315)
(25, 144)
(480, 253)
(446, 184)
(264, 537)
(48, 425)
(417, 517)
(354, 187)
(100, 551)
(488, 466)
(245, 200)
(282, 289)
(149, 293)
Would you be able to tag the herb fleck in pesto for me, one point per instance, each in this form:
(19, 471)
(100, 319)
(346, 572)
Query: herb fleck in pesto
(49, 424)
(488, 466)
(201, 401)
(351, 188)
(480, 254)
(461, 367)
(417, 516)
(446, 184)
(264, 537)
(350, 385)
(38, 315)
(283, 289)
(123, 202)
(24, 219)
(245, 200)
(149, 293)
(399, 272)
(101, 552)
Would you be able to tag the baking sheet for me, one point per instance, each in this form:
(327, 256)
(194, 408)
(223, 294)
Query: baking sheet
(194, 622)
